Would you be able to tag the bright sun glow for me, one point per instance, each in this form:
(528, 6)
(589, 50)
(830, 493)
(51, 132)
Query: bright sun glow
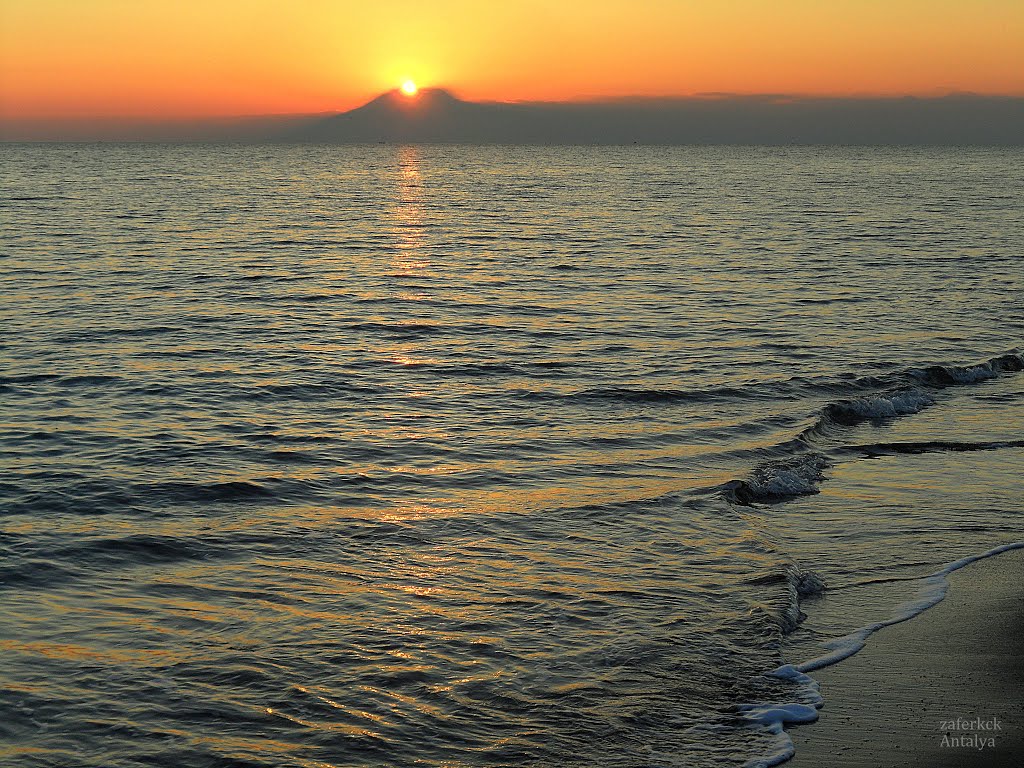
(409, 88)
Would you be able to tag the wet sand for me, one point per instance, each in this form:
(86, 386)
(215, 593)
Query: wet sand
(896, 703)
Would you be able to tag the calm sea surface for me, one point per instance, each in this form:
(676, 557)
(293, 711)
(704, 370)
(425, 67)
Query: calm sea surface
(483, 456)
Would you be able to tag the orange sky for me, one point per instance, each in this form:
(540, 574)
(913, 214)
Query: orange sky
(163, 58)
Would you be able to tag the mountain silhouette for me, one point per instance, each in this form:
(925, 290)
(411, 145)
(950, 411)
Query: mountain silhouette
(432, 115)
(435, 115)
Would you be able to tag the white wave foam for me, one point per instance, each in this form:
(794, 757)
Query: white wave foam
(933, 589)
(883, 406)
(973, 374)
(775, 717)
(946, 375)
(798, 476)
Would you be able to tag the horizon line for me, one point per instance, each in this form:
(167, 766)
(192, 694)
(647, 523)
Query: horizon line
(779, 97)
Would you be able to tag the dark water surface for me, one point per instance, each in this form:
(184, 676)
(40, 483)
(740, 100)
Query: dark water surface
(468, 456)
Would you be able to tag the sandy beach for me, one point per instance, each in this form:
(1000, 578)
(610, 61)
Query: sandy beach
(943, 689)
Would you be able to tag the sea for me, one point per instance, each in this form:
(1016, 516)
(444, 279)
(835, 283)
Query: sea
(477, 456)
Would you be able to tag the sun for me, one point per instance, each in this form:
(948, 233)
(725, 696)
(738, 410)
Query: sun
(409, 88)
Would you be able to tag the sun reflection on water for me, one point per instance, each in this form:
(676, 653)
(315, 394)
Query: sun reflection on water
(408, 224)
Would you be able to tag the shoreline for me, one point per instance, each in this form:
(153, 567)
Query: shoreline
(945, 688)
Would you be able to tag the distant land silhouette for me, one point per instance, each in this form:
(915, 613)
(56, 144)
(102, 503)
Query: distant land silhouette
(437, 116)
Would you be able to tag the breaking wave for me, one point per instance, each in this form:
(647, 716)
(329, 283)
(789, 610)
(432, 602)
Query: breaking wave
(882, 406)
(801, 466)
(779, 480)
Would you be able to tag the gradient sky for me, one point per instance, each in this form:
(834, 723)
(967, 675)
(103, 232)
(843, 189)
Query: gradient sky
(168, 58)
